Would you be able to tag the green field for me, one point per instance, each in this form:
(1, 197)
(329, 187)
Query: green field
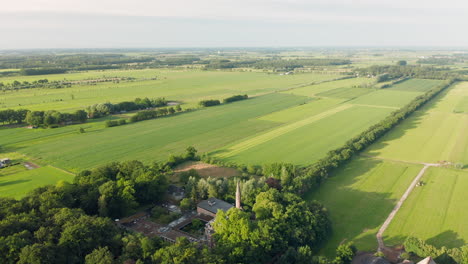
(359, 197)
(415, 85)
(436, 212)
(433, 134)
(313, 90)
(206, 129)
(189, 86)
(345, 93)
(20, 183)
(305, 141)
(462, 106)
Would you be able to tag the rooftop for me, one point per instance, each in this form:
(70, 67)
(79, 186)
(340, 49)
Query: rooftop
(213, 205)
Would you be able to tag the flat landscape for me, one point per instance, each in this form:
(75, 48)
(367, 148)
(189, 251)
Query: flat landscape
(435, 133)
(435, 211)
(360, 196)
(270, 127)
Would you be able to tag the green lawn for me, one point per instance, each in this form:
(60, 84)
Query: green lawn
(18, 184)
(359, 197)
(436, 212)
(433, 134)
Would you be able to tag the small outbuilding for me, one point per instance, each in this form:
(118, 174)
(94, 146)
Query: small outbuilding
(4, 162)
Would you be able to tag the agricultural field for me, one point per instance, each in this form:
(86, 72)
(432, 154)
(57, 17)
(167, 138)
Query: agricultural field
(359, 197)
(435, 133)
(361, 194)
(189, 86)
(436, 212)
(270, 127)
(415, 85)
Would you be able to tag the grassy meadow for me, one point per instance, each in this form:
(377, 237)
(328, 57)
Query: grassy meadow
(435, 133)
(279, 124)
(359, 197)
(436, 212)
(189, 86)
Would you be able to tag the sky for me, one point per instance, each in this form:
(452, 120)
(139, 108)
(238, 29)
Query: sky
(28, 24)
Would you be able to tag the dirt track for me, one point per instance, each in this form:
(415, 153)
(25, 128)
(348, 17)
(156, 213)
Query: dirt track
(382, 247)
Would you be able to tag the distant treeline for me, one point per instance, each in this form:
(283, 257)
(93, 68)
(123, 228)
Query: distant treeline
(104, 109)
(45, 83)
(235, 98)
(390, 72)
(275, 64)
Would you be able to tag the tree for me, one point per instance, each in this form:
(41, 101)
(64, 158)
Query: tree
(178, 108)
(34, 118)
(80, 116)
(100, 255)
(345, 253)
(190, 153)
(402, 63)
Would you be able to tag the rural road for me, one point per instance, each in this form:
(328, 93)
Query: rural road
(400, 203)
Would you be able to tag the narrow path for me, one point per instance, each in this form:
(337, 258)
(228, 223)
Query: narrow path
(397, 207)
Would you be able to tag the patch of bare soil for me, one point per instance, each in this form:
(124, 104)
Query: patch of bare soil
(31, 166)
(205, 169)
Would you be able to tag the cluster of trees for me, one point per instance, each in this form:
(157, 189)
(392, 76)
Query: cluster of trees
(390, 72)
(42, 71)
(53, 118)
(235, 98)
(104, 109)
(11, 116)
(281, 64)
(283, 223)
(207, 103)
(441, 255)
(151, 114)
(45, 83)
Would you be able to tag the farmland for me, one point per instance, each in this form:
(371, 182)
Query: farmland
(359, 197)
(187, 86)
(433, 134)
(436, 212)
(285, 126)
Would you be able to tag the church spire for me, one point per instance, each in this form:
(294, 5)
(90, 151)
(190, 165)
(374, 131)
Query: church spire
(238, 196)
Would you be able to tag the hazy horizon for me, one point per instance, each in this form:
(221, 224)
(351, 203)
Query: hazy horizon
(50, 24)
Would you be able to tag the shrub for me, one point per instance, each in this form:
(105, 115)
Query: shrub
(207, 103)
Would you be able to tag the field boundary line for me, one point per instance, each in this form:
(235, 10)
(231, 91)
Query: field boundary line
(252, 142)
(397, 207)
(378, 106)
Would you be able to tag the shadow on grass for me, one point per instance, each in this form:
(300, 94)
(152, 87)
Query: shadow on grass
(356, 215)
(411, 122)
(448, 238)
(3, 184)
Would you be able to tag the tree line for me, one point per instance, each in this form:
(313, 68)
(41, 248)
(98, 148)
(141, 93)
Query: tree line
(45, 83)
(390, 72)
(155, 113)
(52, 118)
(214, 102)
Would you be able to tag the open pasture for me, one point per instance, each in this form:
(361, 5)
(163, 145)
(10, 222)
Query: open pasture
(359, 197)
(435, 133)
(315, 89)
(305, 141)
(436, 212)
(345, 93)
(188, 86)
(415, 85)
(206, 129)
(18, 184)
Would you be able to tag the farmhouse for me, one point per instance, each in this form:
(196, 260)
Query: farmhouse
(212, 205)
